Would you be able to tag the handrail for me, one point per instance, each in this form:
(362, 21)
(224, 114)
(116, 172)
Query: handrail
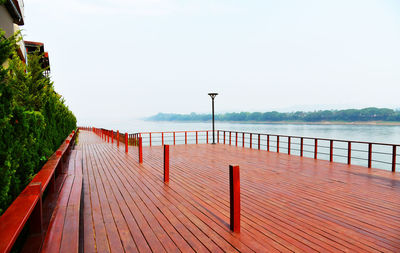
(312, 138)
(290, 146)
(28, 205)
(269, 142)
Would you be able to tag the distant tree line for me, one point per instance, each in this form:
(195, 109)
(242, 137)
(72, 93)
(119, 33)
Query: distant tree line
(349, 115)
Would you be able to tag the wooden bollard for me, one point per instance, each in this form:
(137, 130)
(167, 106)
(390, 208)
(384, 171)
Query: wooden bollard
(166, 163)
(108, 136)
(126, 142)
(117, 138)
(112, 136)
(234, 190)
(140, 150)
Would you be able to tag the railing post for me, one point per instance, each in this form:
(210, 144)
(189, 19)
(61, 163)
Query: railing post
(315, 148)
(242, 139)
(369, 155)
(331, 150)
(126, 142)
(112, 136)
(236, 138)
(230, 138)
(288, 148)
(174, 138)
(277, 144)
(108, 136)
(150, 138)
(207, 137)
(267, 142)
(166, 163)
(117, 138)
(197, 141)
(61, 164)
(234, 189)
(218, 136)
(185, 137)
(140, 150)
(224, 136)
(259, 146)
(162, 138)
(349, 152)
(251, 140)
(36, 218)
(394, 158)
(301, 146)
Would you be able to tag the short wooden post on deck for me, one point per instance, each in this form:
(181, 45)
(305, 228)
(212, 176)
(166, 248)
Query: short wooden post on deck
(112, 136)
(166, 163)
(234, 190)
(140, 150)
(117, 138)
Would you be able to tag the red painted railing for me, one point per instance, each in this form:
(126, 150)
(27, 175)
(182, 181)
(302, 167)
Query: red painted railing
(28, 206)
(361, 153)
(176, 137)
(367, 154)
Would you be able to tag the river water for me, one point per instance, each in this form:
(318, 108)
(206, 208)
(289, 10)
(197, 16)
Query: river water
(369, 133)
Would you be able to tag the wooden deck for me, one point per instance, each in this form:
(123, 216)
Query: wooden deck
(288, 203)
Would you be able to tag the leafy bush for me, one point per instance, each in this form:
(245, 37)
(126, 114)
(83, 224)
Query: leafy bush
(34, 120)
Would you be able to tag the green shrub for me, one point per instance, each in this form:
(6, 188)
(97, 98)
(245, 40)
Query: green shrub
(34, 120)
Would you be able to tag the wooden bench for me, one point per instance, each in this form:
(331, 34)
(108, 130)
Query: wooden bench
(28, 206)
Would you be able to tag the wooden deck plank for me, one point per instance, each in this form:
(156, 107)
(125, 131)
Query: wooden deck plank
(178, 173)
(88, 240)
(146, 206)
(100, 234)
(289, 203)
(186, 223)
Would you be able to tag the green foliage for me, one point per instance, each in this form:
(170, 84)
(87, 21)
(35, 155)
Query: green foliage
(34, 120)
(350, 115)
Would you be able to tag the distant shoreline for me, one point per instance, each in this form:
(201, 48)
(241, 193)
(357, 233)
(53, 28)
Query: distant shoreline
(367, 123)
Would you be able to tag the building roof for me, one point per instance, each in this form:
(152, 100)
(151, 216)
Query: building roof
(33, 46)
(16, 10)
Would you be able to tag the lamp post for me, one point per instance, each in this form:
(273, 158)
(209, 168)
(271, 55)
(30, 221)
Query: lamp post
(213, 95)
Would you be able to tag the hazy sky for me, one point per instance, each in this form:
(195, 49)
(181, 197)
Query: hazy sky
(131, 58)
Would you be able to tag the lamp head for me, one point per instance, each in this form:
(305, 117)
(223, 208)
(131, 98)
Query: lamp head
(212, 95)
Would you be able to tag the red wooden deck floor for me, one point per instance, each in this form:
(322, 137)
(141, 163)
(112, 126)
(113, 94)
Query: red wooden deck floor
(288, 203)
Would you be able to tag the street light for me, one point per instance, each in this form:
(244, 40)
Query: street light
(213, 95)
